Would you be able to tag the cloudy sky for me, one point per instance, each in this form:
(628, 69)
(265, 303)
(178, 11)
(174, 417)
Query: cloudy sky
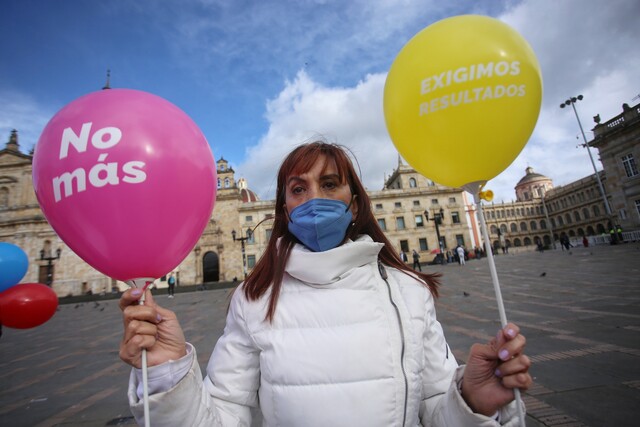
(261, 76)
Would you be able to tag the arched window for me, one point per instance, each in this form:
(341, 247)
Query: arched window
(576, 216)
(514, 227)
(596, 211)
(227, 183)
(572, 233)
(494, 229)
(527, 241)
(533, 225)
(219, 183)
(412, 183)
(580, 232)
(600, 229)
(567, 218)
(517, 242)
(560, 221)
(590, 231)
(585, 213)
(523, 226)
(543, 224)
(503, 229)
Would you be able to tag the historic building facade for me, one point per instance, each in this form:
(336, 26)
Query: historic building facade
(415, 213)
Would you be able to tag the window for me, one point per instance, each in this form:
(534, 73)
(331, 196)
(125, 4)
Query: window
(400, 223)
(576, 216)
(4, 197)
(585, 213)
(268, 234)
(460, 239)
(452, 199)
(251, 261)
(412, 183)
(514, 227)
(567, 218)
(251, 238)
(533, 225)
(419, 221)
(434, 201)
(404, 245)
(383, 224)
(630, 166)
(397, 205)
(523, 226)
(423, 244)
(378, 206)
(416, 203)
(227, 183)
(503, 229)
(248, 218)
(494, 229)
(638, 207)
(455, 217)
(543, 224)
(596, 211)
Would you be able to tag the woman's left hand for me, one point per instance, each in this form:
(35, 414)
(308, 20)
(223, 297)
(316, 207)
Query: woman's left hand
(494, 370)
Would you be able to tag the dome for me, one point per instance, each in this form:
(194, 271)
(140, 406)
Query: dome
(246, 194)
(531, 176)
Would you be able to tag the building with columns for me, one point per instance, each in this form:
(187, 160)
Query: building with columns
(415, 213)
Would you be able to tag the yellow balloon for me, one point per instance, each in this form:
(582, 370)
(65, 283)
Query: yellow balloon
(462, 98)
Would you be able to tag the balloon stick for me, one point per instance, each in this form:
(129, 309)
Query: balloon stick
(135, 283)
(475, 189)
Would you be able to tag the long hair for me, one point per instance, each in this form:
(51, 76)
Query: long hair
(268, 273)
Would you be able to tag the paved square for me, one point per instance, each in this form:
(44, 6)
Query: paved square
(579, 309)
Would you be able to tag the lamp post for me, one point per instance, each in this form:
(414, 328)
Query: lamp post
(197, 250)
(572, 101)
(50, 260)
(543, 191)
(437, 220)
(242, 240)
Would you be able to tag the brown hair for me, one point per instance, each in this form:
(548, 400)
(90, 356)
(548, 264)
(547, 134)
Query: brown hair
(269, 271)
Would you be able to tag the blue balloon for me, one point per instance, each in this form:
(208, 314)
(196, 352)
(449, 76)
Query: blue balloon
(13, 265)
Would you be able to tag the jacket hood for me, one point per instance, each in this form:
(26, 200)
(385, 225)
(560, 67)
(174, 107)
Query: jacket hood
(323, 268)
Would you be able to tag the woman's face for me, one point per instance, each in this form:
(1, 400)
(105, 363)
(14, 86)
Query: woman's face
(322, 181)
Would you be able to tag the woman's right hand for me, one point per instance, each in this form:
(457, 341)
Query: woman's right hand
(149, 327)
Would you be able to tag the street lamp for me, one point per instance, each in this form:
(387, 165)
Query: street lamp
(437, 220)
(50, 260)
(546, 214)
(242, 240)
(572, 101)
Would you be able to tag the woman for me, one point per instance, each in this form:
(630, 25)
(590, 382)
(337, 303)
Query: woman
(331, 328)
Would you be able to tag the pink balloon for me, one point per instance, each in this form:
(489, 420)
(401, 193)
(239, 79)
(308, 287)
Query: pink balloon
(127, 180)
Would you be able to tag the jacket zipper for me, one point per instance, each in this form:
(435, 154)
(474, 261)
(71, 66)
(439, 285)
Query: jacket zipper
(383, 274)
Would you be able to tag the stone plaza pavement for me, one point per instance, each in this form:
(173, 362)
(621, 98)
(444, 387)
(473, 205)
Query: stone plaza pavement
(579, 309)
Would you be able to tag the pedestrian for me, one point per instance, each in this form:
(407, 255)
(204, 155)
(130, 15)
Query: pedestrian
(460, 251)
(416, 261)
(585, 241)
(449, 257)
(403, 256)
(171, 281)
(330, 328)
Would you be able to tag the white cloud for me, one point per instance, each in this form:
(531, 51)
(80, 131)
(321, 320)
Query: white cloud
(21, 112)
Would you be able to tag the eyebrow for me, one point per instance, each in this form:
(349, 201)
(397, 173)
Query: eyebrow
(322, 178)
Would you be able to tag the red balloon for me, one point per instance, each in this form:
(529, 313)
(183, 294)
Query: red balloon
(27, 305)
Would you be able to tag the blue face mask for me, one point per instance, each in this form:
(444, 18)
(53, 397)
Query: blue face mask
(320, 224)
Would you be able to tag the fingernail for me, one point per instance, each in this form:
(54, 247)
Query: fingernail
(498, 373)
(511, 333)
(504, 354)
(136, 292)
(159, 318)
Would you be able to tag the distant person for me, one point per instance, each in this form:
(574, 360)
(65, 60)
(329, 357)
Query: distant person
(460, 251)
(403, 256)
(330, 328)
(416, 261)
(585, 241)
(172, 284)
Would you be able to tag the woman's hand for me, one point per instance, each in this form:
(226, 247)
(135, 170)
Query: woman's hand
(149, 327)
(494, 370)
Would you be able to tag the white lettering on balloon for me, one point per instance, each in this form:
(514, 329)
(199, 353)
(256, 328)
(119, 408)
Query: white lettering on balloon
(103, 173)
(475, 72)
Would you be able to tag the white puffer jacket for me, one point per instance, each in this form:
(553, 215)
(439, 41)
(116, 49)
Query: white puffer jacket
(346, 348)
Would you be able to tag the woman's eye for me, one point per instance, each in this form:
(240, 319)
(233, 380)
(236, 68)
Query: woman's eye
(330, 185)
(296, 190)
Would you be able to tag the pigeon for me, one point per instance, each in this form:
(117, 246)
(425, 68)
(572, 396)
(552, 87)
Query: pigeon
(466, 294)
(543, 274)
